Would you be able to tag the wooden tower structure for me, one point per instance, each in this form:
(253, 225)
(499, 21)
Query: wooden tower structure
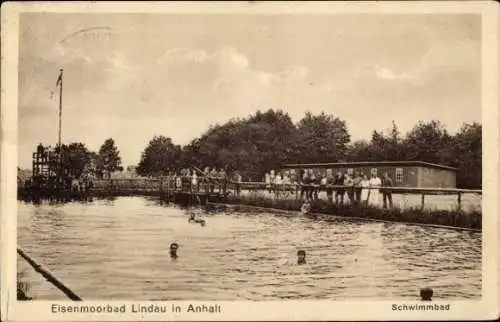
(46, 165)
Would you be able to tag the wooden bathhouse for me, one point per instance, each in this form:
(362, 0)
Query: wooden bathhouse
(416, 174)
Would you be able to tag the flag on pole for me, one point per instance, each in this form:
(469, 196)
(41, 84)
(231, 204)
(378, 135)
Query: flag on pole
(59, 79)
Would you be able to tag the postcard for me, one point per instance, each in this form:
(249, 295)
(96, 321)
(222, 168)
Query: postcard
(250, 161)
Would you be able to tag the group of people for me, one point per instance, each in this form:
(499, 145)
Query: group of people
(354, 188)
(82, 183)
(358, 188)
(211, 179)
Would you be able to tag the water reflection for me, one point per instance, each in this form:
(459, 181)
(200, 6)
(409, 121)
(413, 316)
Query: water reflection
(120, 249)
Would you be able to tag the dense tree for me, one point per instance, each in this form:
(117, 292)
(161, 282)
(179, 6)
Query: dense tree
(359, 151)
(426, 141)
(387, 147)
(266, 140)
(75, 158)
(108, 160)
(159, 158)
(322, 138)
(273, 136)
(468, 153)
(254, 145)
(378, 147)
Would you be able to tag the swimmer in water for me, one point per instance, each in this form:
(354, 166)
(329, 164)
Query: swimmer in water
(173, 250)
(426, 294)
(306, 208)
(192, 218)
(301, 257)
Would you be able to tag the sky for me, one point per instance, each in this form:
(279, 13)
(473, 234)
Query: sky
(131, 77)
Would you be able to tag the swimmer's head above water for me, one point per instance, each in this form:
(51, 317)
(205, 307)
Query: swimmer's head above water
(173, 250)
(301, 257)
(426, 294)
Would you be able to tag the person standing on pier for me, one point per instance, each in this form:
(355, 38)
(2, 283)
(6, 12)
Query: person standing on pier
(330, 180)
(75, 185)
(387, 193)
(204, 179)
(238, 179)
(178, 182)
(375, 183)
(339, 191)
(349, 182)
(212, 178)
(293, 180)
(278, 184)
(357, 187)
(365, 184)
(222, 181)
(186, 180)
(194, 182)
(313, 181)
(272, 177)
(323, 182)
(304, 180)
(286, 180)
(267, 180)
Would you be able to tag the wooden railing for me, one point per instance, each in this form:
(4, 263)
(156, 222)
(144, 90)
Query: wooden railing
(170, 185)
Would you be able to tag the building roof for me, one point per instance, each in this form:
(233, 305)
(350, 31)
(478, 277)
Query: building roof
(371, 163)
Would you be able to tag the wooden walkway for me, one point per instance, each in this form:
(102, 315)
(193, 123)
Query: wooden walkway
(168, 188)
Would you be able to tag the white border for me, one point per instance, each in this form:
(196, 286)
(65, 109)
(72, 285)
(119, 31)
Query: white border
(487, 308)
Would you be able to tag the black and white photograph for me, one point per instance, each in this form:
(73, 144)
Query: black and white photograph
(275, 156)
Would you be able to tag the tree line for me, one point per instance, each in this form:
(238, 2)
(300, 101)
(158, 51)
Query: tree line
(265, 140)
(77, 159)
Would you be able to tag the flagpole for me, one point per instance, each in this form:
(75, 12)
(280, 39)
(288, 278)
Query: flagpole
(60, 82)
(60, 107)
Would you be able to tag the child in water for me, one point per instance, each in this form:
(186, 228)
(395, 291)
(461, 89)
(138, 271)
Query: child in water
(173, 250)
(192, 218)
(426, 294)
(306, 208)
(301, 257)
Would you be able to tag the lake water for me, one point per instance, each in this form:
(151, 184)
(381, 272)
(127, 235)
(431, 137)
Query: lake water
(118, 249)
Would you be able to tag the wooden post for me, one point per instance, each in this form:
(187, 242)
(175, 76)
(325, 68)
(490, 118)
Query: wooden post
(49, 277)
(459, 201)
(423, 201)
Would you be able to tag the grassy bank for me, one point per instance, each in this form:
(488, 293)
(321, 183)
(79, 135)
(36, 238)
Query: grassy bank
(470, 220)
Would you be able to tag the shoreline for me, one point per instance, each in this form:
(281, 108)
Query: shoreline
(297, 213)
(470, 221)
